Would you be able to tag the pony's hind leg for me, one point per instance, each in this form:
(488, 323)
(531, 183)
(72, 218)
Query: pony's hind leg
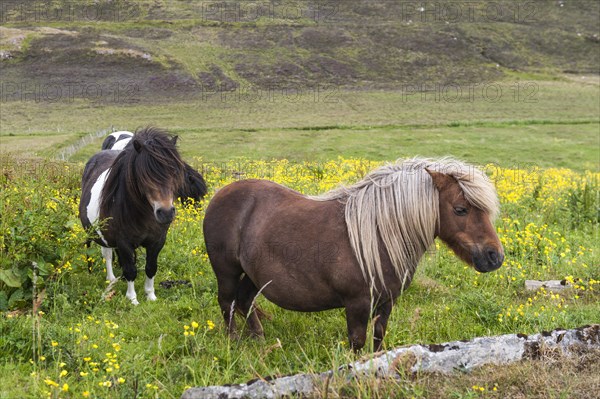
(228, 280)
(107, 254)
(246, 296)
(226, 296)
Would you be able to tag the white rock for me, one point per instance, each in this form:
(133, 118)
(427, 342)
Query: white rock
(444, 358)
(551, 285)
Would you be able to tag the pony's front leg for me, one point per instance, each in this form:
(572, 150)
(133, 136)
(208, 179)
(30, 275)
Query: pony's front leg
(107, 254)
(127, 260)
(151, 268)
(380, 319)
(357, 319)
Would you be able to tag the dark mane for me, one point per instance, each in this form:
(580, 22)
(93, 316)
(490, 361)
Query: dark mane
(150, 161)
(194, 187)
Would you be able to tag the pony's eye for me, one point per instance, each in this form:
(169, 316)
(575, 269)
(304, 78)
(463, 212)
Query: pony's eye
(460, 211)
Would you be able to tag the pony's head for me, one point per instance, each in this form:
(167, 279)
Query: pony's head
(151, 171)
(158, 170)
(468, 205)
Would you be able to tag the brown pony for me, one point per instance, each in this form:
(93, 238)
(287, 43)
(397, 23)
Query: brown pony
(355, 247)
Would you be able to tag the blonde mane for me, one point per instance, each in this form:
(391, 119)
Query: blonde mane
(398, 204)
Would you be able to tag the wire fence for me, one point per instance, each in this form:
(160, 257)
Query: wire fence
(66, 153)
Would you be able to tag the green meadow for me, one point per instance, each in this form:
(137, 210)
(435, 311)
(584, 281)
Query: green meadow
(66, 333)
(376, 125)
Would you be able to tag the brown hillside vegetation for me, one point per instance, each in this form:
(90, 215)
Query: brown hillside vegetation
(181, 48)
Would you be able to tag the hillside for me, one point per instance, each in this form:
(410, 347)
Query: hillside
(182, 49)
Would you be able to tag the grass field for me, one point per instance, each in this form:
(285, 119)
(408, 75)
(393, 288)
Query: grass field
(75, 344)
(376, 125)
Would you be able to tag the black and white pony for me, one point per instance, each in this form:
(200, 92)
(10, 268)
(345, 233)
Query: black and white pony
(128, 197)
(194, 186)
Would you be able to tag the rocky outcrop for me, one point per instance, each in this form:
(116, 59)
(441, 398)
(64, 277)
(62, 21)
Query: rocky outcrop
(443, 358)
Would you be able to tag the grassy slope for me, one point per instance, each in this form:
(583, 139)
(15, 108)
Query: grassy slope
(363, 57)
(378, 125)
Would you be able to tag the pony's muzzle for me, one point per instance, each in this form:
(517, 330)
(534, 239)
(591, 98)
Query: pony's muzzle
(488, 259)
(164, 215)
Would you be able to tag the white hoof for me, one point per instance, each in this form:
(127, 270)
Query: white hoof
(149, 289)
(131, 295)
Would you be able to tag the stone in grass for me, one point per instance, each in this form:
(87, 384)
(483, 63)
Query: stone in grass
(550, 285)
(442, 358)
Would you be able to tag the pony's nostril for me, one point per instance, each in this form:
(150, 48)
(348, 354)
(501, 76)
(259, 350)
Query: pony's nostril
(495, 257)
(165, 214)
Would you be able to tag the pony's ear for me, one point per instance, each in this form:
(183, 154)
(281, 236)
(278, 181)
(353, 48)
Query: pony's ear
(137, 145)
(174, 140)
(440, 180)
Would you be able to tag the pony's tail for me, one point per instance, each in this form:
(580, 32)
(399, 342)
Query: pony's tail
(88, 243)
